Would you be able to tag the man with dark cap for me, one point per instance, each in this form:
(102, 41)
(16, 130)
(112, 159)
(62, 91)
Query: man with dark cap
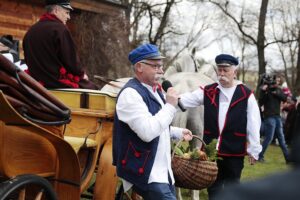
(142, 131)
(50, 51)
(231, 115)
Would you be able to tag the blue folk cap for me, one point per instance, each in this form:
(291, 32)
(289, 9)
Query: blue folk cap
(226, 60)
(144, 51)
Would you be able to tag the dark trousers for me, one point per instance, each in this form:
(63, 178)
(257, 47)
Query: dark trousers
(157, 191)
(229, 171)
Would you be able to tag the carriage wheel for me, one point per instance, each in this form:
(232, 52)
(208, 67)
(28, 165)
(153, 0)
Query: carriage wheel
(27, 187)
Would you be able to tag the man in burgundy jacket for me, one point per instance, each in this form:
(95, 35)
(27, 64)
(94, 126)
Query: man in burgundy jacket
(50, 51)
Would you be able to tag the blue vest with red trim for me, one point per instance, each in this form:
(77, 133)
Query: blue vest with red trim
(133, 157)
(233, 141)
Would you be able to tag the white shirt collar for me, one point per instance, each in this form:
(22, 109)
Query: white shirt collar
(149, 87)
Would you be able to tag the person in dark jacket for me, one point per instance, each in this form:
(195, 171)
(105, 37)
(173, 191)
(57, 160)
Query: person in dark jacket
(50, 51)
(270, 99)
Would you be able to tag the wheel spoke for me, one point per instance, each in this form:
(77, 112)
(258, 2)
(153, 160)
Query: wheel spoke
(22, 194)
(39, 195)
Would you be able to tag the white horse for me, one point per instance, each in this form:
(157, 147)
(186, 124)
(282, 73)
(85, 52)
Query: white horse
(192, 118)
(115, 86)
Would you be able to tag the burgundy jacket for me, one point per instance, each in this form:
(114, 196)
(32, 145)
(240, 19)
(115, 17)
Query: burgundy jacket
(51, 56)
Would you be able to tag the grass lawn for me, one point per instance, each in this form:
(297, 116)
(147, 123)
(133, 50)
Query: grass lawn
(275, 163)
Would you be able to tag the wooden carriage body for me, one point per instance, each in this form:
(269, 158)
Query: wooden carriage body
(66, 155)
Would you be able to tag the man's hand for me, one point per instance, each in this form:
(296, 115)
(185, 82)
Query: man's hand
(252, 160)
(264, 87)
(85, 76)
(172, 97)
(187, 135)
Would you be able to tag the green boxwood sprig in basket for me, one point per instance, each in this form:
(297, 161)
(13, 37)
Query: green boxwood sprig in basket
(194, 169)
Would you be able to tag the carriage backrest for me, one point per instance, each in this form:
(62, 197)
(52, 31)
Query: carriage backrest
(29, 97)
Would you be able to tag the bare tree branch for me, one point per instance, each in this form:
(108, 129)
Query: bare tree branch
(239, 24)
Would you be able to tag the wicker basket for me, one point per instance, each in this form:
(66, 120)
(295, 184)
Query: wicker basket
(193, 174)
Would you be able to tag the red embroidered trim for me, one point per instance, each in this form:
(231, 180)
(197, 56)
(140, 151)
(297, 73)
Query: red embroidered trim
(156, 87)
(62, 71)
(240, 99)
(68, 78)
(27, 71)
(137, 154)
(48, 17)
(69, 83)
(228, 154)
(148, 152)
(211, 93)
(240, 134)
(76, 79)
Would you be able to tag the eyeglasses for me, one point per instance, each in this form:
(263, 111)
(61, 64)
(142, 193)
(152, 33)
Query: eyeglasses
(154, 66)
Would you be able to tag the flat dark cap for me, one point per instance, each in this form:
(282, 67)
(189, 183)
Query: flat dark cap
(63, 3)
(226, 60)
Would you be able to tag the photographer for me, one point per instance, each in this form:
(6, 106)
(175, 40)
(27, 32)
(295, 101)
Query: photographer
(271, 96)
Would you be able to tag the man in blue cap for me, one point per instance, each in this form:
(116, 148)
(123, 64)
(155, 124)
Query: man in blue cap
(142, 131)
(231, 115)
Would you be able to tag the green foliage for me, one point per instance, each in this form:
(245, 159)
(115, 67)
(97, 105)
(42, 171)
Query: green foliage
(184, 147)
(195, 154)
(178, 151)
(211, 150)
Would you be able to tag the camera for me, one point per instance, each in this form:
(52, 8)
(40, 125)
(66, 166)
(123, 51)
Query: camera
(268, 80)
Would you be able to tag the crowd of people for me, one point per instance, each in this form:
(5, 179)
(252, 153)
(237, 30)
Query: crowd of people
(142, 125)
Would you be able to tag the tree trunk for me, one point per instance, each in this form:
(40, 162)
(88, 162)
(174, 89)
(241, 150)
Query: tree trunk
(261, 40)
(297, 83)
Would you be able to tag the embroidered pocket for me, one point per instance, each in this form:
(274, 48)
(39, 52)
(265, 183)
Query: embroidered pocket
(135, 159)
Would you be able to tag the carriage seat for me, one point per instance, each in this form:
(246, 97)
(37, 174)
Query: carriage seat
(78, 142)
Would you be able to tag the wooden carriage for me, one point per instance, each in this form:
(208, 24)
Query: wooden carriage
(67, 155)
